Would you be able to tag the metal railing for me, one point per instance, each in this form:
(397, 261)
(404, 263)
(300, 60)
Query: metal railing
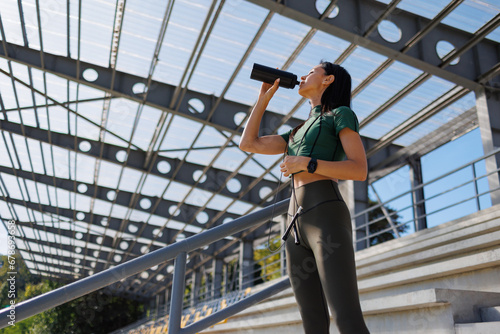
(178, 251)
(363, 223)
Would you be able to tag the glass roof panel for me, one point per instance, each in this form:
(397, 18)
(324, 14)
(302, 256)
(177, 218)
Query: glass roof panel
(154, 186)
(495, 35)
(409, 105)
(361, 63)
(53, 23)
(180, 134)
(10, 20)
(183, 28)
(97, 19)
(232, 33)
(443, 117)
(472, 14)
(146, 127)
(386, 85)
(424, 8)
(283, 32)
(109, 174)
(140, 30)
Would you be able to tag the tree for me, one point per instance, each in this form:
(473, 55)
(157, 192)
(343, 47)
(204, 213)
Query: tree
(383, 224)
(97, 312)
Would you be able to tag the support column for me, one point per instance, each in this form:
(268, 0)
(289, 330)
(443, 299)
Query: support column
(246, 267)
(217, 266)
(195, 294)
(418, 199)
(355, 195)
(488, 114)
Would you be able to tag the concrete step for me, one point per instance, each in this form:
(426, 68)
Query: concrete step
(490, 314)
(412, 312)
(478, 328)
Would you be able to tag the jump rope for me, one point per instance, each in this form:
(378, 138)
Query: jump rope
(293, 222)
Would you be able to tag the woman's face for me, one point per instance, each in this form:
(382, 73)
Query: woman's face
(313, 83)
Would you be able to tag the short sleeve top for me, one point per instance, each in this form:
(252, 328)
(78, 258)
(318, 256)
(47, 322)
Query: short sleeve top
(319, 136)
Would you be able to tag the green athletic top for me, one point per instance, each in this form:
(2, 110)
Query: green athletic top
(319, 136)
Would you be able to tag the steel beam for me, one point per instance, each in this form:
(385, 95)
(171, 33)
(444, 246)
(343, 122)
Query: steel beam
(159, 94)
(356, 15)
(135, 160)
(123, 198)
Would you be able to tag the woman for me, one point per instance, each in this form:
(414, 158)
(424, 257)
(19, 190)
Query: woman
(322, 150)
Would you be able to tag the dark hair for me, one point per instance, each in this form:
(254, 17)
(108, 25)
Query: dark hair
(337, 94)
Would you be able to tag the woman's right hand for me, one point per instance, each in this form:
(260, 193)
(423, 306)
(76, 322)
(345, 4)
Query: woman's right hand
(267, 90)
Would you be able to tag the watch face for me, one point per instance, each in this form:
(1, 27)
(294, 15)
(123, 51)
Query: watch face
(311, 167)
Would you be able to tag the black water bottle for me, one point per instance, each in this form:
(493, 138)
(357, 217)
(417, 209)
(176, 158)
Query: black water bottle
(269, 75)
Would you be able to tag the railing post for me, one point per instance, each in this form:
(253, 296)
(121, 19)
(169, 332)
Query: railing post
(174, 321)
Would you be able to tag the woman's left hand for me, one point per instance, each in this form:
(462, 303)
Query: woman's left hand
(293, 164)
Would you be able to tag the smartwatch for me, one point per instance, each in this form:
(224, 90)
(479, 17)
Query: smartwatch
(313, 164)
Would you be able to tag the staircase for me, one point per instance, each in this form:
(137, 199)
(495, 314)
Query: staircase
(442, 280)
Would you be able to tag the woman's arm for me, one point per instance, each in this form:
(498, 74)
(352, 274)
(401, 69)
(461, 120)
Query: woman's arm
(250, 140)
(354, 167)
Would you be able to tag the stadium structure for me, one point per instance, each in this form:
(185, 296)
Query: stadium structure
(120, 168)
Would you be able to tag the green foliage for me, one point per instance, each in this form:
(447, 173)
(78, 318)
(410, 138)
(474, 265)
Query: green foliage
(268, 263)
(94, 313)
(383, 224)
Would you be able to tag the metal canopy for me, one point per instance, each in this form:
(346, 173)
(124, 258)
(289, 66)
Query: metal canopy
(120, 119)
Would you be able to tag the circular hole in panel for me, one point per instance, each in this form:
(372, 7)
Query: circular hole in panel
(104, 221)
(181, 236)
(111, 195)
(389, 31)
(144, 275)
(96, 253)
(121, 155)
(264, 191)
(80, 216)
(154, 268)
(77, 270)
(84, 146)
(139, 88)
(123, 245)
(202, 218)
(195, 106)
(92, 264)
(159, 277)
(321, 5)
(91, 272)
(117, 258)
(145, 203)
(78, 250)
(98, 240)
(82, 188)
(239, 117)
(445, 47)
(157, 233)
(205, 247)
(90, 75)
(170, 269)
(233, 185)
(79, 235)
(197, 174)
(133, 228)
(77, 261)
(174, 211)
(144, 249)
(163, 167)
(227, 220)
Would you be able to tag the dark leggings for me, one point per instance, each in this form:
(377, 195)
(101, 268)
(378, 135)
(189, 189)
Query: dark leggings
(322, 269)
